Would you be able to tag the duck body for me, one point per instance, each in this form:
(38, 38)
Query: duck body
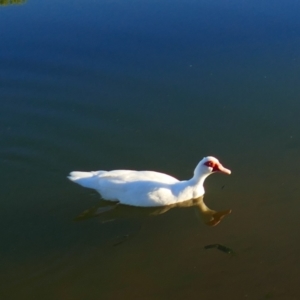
(147, 188)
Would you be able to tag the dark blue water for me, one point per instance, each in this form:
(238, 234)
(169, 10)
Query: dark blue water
(153, 85)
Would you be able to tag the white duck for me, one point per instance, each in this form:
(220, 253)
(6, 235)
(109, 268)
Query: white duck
(148, 188)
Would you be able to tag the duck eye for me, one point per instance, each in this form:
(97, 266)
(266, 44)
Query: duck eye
(209, 164)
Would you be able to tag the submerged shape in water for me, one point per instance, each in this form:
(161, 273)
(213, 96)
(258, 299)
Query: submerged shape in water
(221, 248)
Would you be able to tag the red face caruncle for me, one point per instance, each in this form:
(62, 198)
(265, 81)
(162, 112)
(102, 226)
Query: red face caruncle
(213, 165)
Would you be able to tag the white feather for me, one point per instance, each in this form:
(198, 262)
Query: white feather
(146, 188)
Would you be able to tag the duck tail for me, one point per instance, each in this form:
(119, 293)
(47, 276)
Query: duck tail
(86, 179)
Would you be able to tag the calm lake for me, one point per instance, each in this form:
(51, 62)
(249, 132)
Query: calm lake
(149, 85)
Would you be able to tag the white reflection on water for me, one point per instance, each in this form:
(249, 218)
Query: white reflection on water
(110, 212)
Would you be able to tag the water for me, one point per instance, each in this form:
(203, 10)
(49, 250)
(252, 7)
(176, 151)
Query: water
(153, 85)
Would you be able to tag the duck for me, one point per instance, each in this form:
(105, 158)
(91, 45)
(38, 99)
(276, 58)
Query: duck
(148, 188)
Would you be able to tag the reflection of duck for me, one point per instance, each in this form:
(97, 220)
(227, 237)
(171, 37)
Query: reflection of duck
(148, 188)
(110, 212)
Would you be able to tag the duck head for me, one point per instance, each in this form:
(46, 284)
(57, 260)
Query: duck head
(209, 165)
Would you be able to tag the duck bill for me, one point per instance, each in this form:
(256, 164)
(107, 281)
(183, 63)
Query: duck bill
(220, 168)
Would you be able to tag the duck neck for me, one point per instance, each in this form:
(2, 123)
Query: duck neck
(197, 184)
(198, 179)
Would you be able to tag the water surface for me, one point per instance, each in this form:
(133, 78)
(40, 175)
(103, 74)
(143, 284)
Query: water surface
(152, 85)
